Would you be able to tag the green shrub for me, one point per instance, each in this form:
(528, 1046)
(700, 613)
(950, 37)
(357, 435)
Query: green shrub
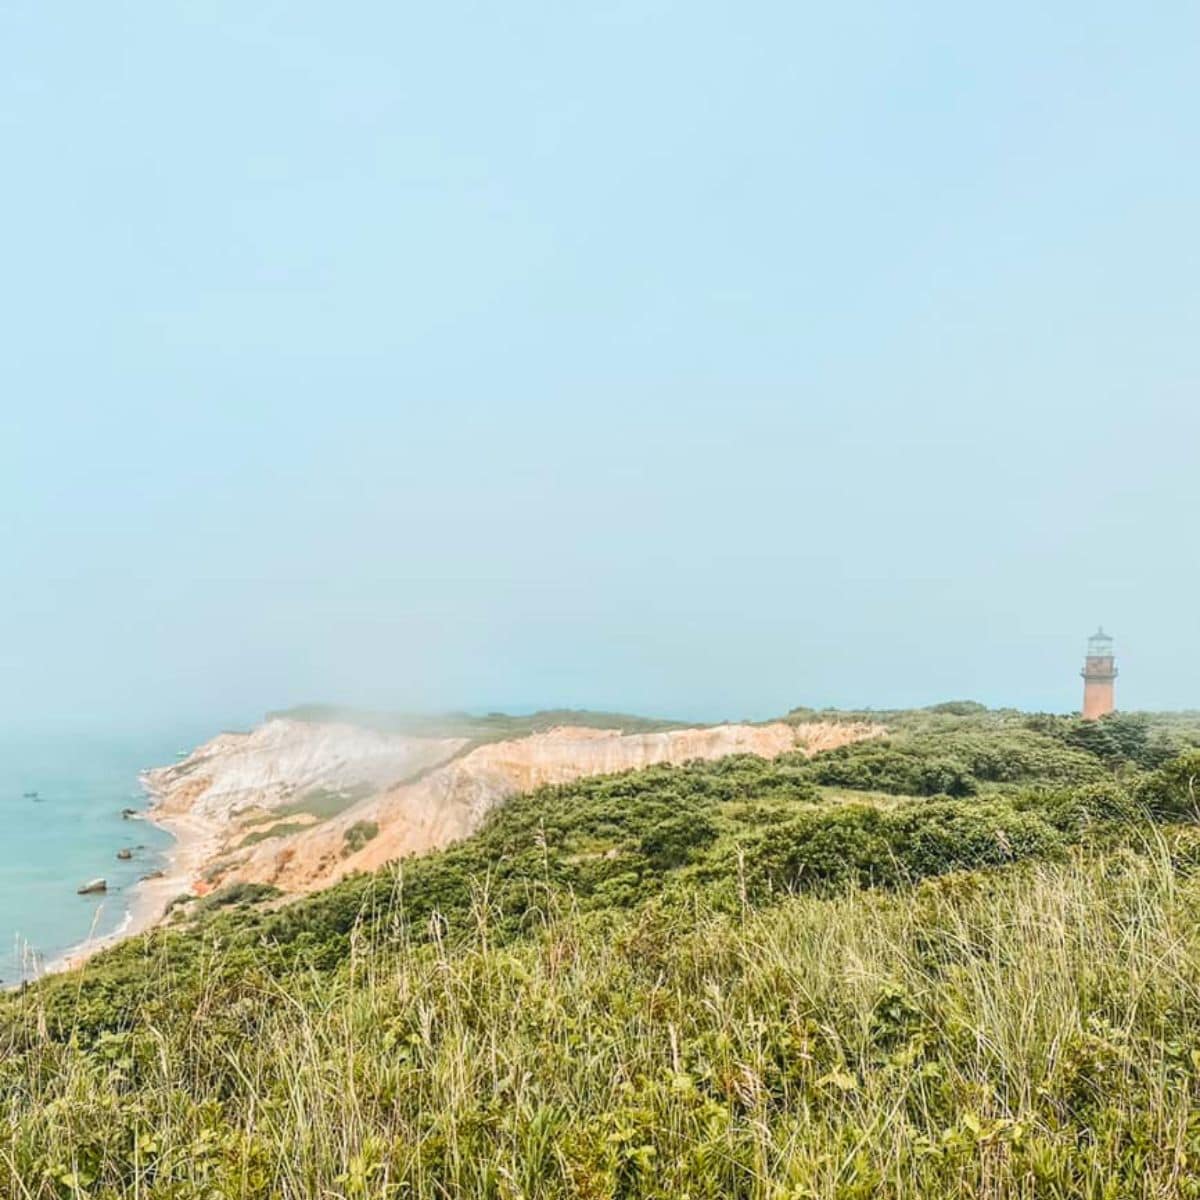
(1123, 737)
(869, 847)
(1173, 791)
(358, 835)
(955, 763)
(282, 829)
(890, 766)
(1074, 811)
(676, 840)
(235, 894)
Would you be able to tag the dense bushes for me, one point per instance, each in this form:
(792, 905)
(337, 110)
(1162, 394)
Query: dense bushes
(885, 766)
(1118, 738)
(956, 763)
(870, 847)
(1173, 791)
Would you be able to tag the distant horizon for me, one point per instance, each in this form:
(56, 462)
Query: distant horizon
(202, 729)
(620, 712)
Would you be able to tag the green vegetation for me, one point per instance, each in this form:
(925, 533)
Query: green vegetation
(234, 894)
(963, 960)
(359, 834)
(957, 763)
(319, 803)
(323, 802)
(278, 829)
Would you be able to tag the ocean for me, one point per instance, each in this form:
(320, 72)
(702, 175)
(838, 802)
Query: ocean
(70, 834)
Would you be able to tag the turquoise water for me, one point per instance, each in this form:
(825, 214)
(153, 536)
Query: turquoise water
(69, 835)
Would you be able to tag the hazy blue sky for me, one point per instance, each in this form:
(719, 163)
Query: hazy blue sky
(692, 358)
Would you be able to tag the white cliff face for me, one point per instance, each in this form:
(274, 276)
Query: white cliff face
(283, 760)
(407, 795)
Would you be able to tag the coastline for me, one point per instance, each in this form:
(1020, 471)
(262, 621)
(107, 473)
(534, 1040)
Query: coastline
(416, 794)
(195, 841)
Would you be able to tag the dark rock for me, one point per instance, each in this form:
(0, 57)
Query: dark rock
(124, 854)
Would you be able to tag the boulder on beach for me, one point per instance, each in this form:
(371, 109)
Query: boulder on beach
(151, 875)
(92, 887)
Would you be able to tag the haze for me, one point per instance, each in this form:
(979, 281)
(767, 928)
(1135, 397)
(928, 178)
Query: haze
(691, 359)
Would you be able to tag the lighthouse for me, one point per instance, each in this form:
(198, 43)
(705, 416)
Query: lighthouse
(1099, 675)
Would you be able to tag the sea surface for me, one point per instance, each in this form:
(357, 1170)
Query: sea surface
(68, 835)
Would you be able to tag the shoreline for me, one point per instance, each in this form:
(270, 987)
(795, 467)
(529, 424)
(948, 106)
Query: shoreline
(195, 841)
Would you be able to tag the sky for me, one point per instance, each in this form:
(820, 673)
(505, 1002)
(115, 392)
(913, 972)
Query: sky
(692, 359)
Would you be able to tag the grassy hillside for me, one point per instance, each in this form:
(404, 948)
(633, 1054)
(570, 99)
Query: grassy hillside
(964, 960)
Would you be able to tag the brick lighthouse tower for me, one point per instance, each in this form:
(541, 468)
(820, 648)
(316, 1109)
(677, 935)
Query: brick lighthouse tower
(1099, 674)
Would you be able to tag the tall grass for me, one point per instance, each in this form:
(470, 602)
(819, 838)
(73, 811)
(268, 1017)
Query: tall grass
(1027, 1032)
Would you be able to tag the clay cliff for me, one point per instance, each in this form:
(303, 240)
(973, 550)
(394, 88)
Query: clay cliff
(300, 804)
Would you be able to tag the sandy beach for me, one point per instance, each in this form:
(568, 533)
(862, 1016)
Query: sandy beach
(194, 844)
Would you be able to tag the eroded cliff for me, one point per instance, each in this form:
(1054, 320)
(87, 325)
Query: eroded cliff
(300, 804)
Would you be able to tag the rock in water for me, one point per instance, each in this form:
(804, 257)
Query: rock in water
(125, 854)
(91, 888)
